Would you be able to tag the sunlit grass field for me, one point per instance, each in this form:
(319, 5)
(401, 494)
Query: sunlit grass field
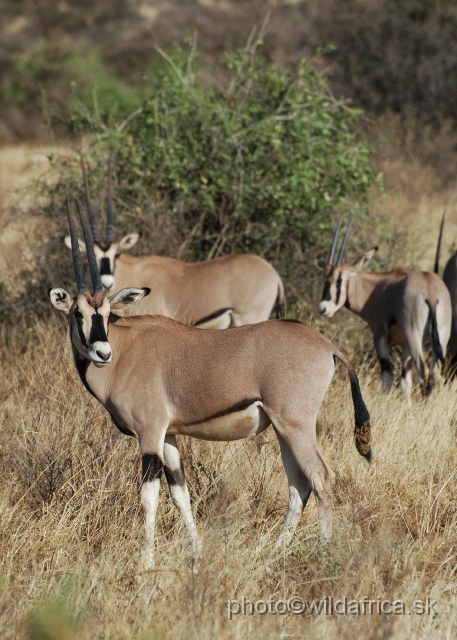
(71, 526)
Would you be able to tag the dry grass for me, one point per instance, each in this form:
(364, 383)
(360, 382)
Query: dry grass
(71, 526)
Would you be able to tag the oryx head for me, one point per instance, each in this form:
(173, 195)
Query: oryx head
(337, 275)
(88, 313)
(106, 251)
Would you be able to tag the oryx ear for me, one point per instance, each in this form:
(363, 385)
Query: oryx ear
(363, 260)
(127, 298)
(128, 241)
(82, 246)
(61, 300)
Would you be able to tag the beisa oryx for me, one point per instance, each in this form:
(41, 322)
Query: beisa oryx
(215, 294)
(450, 280)
(159, 379)
(401, 308)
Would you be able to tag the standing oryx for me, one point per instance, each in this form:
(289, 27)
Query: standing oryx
(214, 294)
(159, 379)
(450, 280)
(400, 307)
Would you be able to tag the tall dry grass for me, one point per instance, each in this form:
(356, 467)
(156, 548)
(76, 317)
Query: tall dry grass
(72, 529)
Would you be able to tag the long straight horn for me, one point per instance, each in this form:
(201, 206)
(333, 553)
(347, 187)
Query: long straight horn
(81, 282)
(438, 248)
(343, 244)
(109, 207)
(331, 254)
(93, 267)
(90, 211)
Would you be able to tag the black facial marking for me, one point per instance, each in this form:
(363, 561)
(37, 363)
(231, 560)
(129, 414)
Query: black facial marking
(97, 330)
(152, 467)
(175, 477)
(216, 314)
(392, 321)
(338, 289)
(385, 365)
(78, 316)
(105, 267)
(239, 406)
(326, 293)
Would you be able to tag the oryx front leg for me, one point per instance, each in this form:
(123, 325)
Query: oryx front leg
(174, 472)
(152, 466)
(382, 349)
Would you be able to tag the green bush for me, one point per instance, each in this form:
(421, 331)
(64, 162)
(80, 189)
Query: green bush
(267, 159)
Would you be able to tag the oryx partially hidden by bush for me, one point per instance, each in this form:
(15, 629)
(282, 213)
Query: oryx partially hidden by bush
(159, 379)
(214, 294)
(401, 308)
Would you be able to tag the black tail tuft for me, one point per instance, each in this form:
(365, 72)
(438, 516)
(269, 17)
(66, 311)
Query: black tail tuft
(436, 344)
(280, 303)
(362, 430)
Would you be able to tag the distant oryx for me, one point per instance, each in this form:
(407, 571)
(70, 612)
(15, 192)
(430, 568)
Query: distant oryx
(450, 280)
(214, 294)
(400, 307)
(159, 379)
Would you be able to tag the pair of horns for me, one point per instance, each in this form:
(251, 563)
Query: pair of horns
(81, 282)
(331, 254)
(109, 206)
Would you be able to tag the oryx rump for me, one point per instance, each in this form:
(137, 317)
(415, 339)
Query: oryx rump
(401, 308)
(159, 379)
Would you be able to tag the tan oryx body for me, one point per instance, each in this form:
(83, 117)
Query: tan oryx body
(401, 307)
(159, 379)
(215, 294)
(450, 280)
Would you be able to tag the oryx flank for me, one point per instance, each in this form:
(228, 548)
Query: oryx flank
(401, 308)
(450, 280)
(214, 294)
(159, 379)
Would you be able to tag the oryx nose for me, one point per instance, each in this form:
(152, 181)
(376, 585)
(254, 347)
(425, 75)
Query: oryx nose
(103, 355)
(107, 281)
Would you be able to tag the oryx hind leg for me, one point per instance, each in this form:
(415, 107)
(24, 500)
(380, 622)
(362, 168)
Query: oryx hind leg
(307, 470)
(152, 467)
(174, 473)
(406, 379)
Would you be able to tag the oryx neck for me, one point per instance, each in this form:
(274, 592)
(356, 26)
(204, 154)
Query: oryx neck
(360, 289)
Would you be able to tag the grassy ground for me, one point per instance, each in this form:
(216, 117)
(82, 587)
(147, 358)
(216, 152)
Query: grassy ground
(71, 527)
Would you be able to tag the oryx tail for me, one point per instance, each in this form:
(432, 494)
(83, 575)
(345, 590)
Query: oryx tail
(362, 429)
(280, 304)
(436, 343)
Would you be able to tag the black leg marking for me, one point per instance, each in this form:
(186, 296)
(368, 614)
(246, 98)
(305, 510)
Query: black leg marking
(385, 365)
(175, 477)
(152, 467)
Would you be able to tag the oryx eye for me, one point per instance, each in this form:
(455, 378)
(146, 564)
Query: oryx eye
(340, 280)
(117, 255)
(77, 313)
